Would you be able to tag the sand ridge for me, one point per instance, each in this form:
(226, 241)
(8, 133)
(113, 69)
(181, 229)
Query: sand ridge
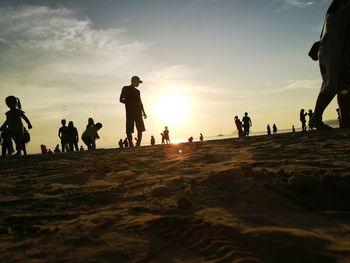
(283, 198)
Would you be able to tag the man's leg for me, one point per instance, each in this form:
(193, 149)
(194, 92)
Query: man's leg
(139, 138)
(129, 136)
(344, 108)
(323, 100)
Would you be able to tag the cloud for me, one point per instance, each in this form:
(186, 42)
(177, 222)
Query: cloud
(286, 4)
(296, 85)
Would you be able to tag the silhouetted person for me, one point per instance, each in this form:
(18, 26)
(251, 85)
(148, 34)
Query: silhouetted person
(81, 148)
(57, 149)
(303, 120)
(49, 151)
(338, 114)
(6, 141)
(310, 114)
(268, 130)
(62, 133)
(90, 136)
(14, 122)
(43, 149)
(153, 140)
(136, 140)
(166, 135)
(293, 129)
(72, 137)
(190, 139)
(201, 138)
(274, 129)
(120, 143)
(126, 143)
(90, 123)
(163, 139)
(131, 97)
(333, 53)
(247, 123)
(239, 127)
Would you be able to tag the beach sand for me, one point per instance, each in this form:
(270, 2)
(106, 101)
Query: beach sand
(283, 198)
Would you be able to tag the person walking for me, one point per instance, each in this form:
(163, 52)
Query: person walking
(72, 137)
(131, 97)
(247, 123)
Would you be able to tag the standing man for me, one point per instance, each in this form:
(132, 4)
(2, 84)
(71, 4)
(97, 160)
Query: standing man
(247, 123)
(131, 97)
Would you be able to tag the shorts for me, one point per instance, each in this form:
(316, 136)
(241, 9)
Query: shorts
(134, 117)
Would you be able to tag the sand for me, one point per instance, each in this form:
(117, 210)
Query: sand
(283, 198)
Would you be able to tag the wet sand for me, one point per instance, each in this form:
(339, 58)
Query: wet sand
(283, 198)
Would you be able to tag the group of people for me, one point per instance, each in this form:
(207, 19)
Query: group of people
(243, 127)
(274, 129)
(303, 115)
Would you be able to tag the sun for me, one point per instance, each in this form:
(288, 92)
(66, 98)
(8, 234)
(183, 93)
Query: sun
(171, 109)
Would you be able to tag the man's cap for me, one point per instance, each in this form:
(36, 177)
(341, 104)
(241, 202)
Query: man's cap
(136, 79)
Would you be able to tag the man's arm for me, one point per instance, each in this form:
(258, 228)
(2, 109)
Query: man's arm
(143, 110)
(122, 96)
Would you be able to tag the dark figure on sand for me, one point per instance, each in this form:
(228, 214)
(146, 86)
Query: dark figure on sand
(190, 139)
(57, 149)
(14, 123)
(120, 143)
(310, 114)
(90, 136)
(6, 141)
(338, 114)
(268, 129)
(166, 135)
(239, 127)
(201, 138)
(72, 137)
(62, 133)
(293, 129)
(333, 54)
(43, 149)
(126, 143)
(131, 97)
(153, 140)
(303, 120)
(81, 148)
(247, 123)
(163, 139)
(274, 129)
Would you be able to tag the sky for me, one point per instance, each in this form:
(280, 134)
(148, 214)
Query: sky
(202, 62)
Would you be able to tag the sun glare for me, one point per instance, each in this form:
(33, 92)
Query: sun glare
(171, 109)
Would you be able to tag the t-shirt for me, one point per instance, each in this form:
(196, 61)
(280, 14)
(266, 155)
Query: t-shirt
(90, 132)
(63, 132)
(14, 119)
(132, 98)
(246, 121)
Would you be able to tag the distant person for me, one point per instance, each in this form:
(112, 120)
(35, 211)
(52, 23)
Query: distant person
(293, 129)
(90, 123)
(163, 139)
(274, 129)
(303, 120)
(14, 122)
(90, 136)
(72, 137)
(57, 149)
(6, 141)
(338, 114)
(333, 53)
(49, 151)
(81, 148)
(43, 149)
(166, 135)
(310, 114)
(153, 140)
(120, 143)
(62, 134)
(247, 123)
(131, 97)
(268, 130)
(190, 139)
(126, 143)
(239, 127)
(201, 138)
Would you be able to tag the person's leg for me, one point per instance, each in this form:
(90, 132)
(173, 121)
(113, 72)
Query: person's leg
(63, 146)
(129, 136)
(323, 100)
(344, 108)
(76, 146)
(24, 148)
(139, 138)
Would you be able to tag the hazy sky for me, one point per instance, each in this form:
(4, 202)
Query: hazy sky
(214, 58)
